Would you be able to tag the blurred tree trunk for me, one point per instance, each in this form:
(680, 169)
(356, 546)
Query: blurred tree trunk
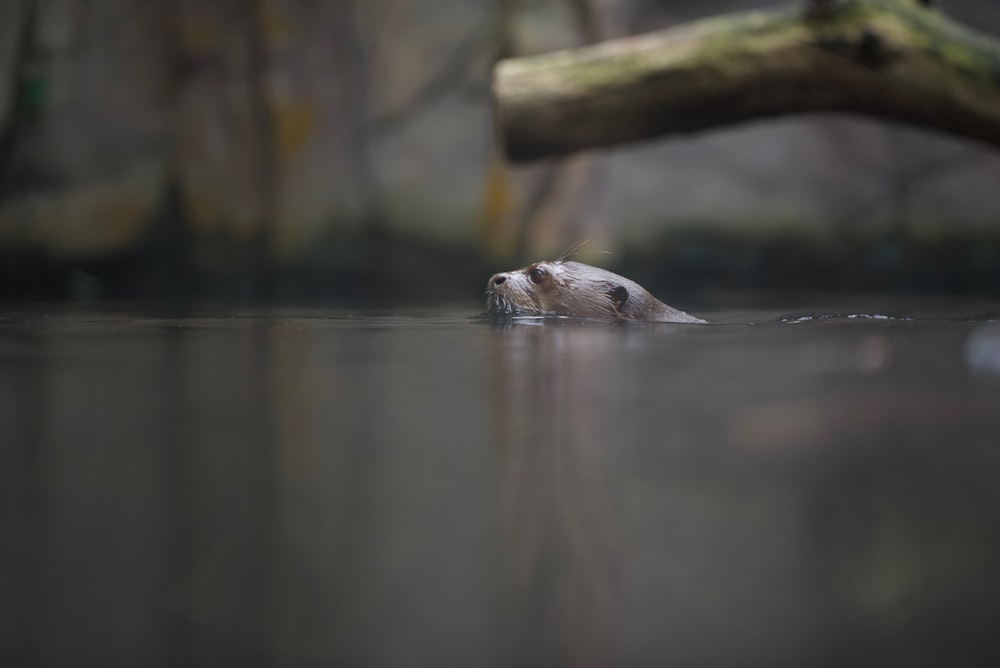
(15, 28)
(83, 123)
(539, 212)
(251, 112)
(895, 59)
(271, 121)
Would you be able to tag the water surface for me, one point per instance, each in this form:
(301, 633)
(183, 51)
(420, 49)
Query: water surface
(313, 488)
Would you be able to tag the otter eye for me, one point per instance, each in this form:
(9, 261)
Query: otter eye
(536, 274)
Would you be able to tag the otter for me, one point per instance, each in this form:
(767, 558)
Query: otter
(568, 288)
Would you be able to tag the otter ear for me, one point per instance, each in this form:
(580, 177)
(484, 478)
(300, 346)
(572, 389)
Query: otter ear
(619, 295)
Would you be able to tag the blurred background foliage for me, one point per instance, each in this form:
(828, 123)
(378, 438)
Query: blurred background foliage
(344, 150)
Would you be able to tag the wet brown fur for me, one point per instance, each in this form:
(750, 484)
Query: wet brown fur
(568, 288)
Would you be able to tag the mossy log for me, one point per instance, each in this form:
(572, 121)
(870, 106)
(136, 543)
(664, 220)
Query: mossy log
(893, 59)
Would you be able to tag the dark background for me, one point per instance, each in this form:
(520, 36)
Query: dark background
(342, 152)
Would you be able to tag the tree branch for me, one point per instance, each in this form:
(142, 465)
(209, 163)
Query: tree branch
(893, 59)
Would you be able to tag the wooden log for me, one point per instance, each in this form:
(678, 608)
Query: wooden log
(892, 59)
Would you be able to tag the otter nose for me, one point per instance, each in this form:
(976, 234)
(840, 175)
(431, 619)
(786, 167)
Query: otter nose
(498, 279)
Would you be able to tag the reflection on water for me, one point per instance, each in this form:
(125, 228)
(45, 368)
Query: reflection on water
(318, 489)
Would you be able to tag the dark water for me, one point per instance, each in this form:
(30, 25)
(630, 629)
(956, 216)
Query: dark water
(330, 489)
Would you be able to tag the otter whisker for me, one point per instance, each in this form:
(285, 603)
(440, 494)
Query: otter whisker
(500, 304)
(573, 250)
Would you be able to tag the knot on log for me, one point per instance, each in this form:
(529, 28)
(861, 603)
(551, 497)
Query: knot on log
(872, 49)
(867, 48)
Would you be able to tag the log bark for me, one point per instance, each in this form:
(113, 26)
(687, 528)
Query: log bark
(892, 59)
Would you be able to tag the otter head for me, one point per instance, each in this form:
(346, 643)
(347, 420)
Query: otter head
(567, 288)
(557, 287)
